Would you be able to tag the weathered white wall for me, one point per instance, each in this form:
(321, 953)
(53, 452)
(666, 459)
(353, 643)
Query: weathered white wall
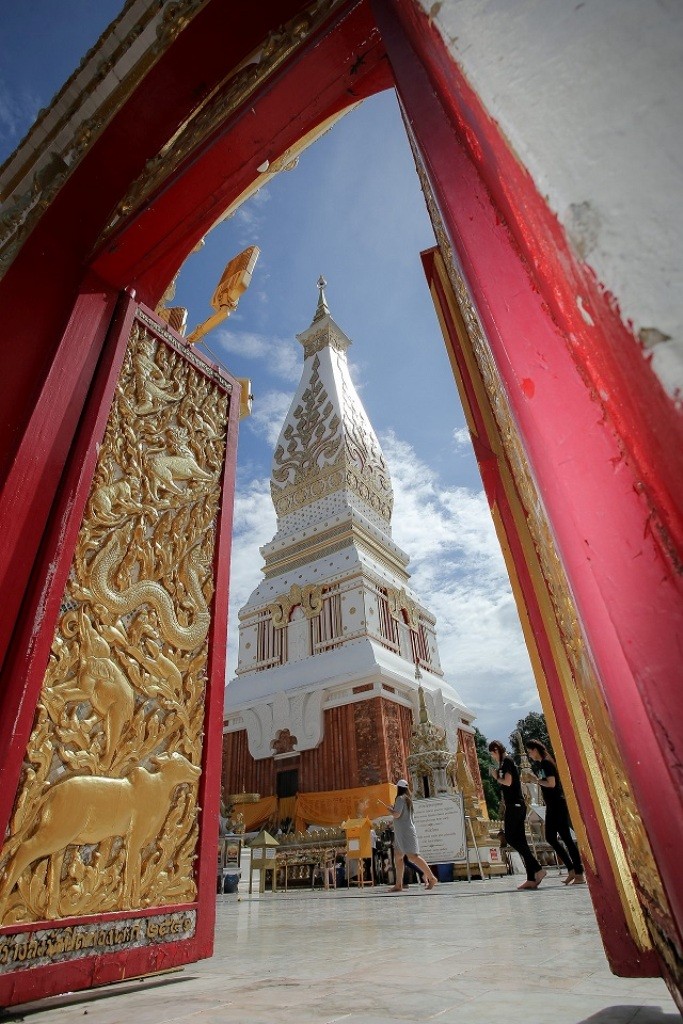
(590, 96)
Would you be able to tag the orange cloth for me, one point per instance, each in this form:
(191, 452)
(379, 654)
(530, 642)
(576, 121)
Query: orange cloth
(335, 806)
(256, 815)
(287, 808)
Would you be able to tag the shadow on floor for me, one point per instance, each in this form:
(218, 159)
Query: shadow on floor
(24, 1011)
(631, 1015)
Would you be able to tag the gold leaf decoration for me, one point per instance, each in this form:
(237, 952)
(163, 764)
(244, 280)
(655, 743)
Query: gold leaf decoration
(105, 816)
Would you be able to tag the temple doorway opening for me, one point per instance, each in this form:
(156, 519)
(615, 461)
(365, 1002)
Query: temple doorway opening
(352, 208)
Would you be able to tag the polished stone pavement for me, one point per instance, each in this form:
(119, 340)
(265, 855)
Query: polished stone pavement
(466, 953)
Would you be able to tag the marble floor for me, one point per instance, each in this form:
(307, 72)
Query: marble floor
(466, 953)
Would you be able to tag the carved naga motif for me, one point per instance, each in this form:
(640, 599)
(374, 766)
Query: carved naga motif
(148, 592)
(309, 597)
(399, 602)
(105, 817)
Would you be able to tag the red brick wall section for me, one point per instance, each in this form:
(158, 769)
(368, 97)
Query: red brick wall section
(364, 744)
(331, 765)
(398, 723)
(241, 773)
(370, 742)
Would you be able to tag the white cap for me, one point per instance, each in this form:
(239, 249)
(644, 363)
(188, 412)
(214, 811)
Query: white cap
(402, 782)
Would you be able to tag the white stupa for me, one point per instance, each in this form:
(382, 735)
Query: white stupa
(333, 643)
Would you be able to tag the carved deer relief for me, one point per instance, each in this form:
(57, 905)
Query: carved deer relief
(84, 810)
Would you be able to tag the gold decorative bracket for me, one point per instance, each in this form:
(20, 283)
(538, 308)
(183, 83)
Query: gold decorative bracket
(233, 284)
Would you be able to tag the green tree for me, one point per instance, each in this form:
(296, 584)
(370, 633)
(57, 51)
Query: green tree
(532, 727)
(491, 791)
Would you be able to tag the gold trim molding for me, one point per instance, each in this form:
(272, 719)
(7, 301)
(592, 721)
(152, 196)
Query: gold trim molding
(236, 89)
(399, 602)
(309, 597)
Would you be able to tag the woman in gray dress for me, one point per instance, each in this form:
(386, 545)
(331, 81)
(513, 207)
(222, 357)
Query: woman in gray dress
(405, 837)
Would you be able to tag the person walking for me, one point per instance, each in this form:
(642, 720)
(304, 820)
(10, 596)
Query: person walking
(507, 777)
(557, 823)
(405, 837)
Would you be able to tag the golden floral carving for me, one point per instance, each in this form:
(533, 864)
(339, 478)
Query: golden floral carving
(325, 453)
(326, 337)
(106, 816)
(314, 440)
(466, 784)
(315, 484)
(367, 472)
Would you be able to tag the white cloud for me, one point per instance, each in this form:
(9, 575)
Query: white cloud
(281, 356)
(462, 441)
(254, 526)
(249, 219)
(459, 574)
(268, 415)
(261, 197)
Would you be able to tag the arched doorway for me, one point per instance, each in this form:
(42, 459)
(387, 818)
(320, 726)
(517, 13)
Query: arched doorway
(185, 142)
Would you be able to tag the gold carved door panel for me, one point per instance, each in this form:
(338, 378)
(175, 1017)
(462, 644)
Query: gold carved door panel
(106, 814)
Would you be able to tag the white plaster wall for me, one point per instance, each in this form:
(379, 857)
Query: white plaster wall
(590, 97)
(353, 610)
(433, 646)
(247, 646)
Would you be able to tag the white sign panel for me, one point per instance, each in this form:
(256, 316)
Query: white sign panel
(440, 829)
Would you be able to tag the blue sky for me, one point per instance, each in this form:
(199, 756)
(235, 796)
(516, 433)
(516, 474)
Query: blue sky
(352, 210)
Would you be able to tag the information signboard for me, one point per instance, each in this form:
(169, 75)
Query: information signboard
(440, 825)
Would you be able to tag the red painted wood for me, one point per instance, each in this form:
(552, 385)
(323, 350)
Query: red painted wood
(37, 462)
(71, 976)
(627, 594)
(338, 762)
(324, 80)
(52, 262)
(624, 956)
(210, 782)
(629, 395)
(598, 456)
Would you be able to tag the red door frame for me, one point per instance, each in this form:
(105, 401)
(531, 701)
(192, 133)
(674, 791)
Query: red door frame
(598, 462)
(587, 454)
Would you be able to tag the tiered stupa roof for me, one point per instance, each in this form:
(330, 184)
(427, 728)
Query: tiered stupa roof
(334, 608)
